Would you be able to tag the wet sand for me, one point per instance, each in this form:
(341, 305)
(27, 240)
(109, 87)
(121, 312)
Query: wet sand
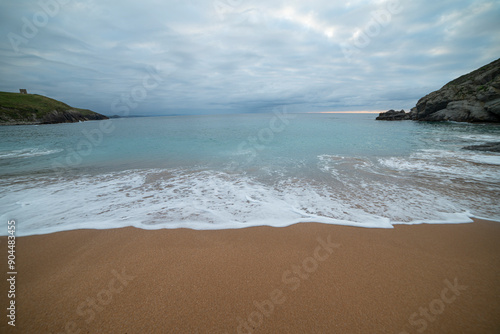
(305, 278)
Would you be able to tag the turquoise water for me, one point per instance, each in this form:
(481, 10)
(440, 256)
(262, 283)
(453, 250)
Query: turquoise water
(216, 141)
(230, 171)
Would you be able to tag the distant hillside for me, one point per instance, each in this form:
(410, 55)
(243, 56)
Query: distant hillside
(20, 109)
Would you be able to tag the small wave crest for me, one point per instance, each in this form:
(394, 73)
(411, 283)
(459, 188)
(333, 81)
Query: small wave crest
(27, 153)
(444, 163)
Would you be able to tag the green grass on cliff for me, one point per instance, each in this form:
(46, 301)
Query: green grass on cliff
(16, 105)
(34, 103)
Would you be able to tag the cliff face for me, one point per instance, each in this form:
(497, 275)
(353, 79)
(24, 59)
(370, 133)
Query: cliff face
(474, 97)
(25, 109)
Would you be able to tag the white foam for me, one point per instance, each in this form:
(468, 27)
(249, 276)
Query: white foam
(463, 164)
(446, 218)
(479, 137)
(489, 159)
(154, 199)
(27, 153)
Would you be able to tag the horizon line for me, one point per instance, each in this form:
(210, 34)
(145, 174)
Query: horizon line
(348, 112)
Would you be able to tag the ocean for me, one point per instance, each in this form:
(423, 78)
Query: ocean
(234, 171)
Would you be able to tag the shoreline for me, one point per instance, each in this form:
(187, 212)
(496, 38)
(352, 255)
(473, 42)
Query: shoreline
(303, 278)
(223, 227)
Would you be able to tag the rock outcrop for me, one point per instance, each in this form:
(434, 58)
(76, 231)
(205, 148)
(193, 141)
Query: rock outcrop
(392, 115)
(70, 116)
(489, 147)
(27, 109)
(474, 97)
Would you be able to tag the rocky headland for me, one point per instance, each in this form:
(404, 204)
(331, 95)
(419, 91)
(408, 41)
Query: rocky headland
(473, 97)
(28, 109)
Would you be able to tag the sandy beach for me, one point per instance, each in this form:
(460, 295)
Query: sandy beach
(305, 278)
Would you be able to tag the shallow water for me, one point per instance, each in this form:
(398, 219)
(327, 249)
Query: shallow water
(231, 171)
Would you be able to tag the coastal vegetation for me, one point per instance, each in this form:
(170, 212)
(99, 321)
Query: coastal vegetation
(25, 109)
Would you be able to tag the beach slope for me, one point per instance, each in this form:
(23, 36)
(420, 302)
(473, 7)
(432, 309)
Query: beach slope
(305, 278)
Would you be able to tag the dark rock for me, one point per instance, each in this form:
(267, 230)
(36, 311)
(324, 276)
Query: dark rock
(392, 115)
(69, 116)
(490, 147)
(474, 97)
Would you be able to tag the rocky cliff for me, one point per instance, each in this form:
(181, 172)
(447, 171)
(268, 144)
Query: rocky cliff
(393, 115)
(24, 109)
(474, 97)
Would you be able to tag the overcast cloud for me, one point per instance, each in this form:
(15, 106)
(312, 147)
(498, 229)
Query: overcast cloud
(177, 57)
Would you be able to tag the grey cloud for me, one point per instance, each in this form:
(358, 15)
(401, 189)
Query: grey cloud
(245, 56)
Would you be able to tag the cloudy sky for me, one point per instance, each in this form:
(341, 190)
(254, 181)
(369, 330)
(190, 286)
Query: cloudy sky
(220, 56)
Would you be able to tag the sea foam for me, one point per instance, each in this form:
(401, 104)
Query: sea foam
(204, 199)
